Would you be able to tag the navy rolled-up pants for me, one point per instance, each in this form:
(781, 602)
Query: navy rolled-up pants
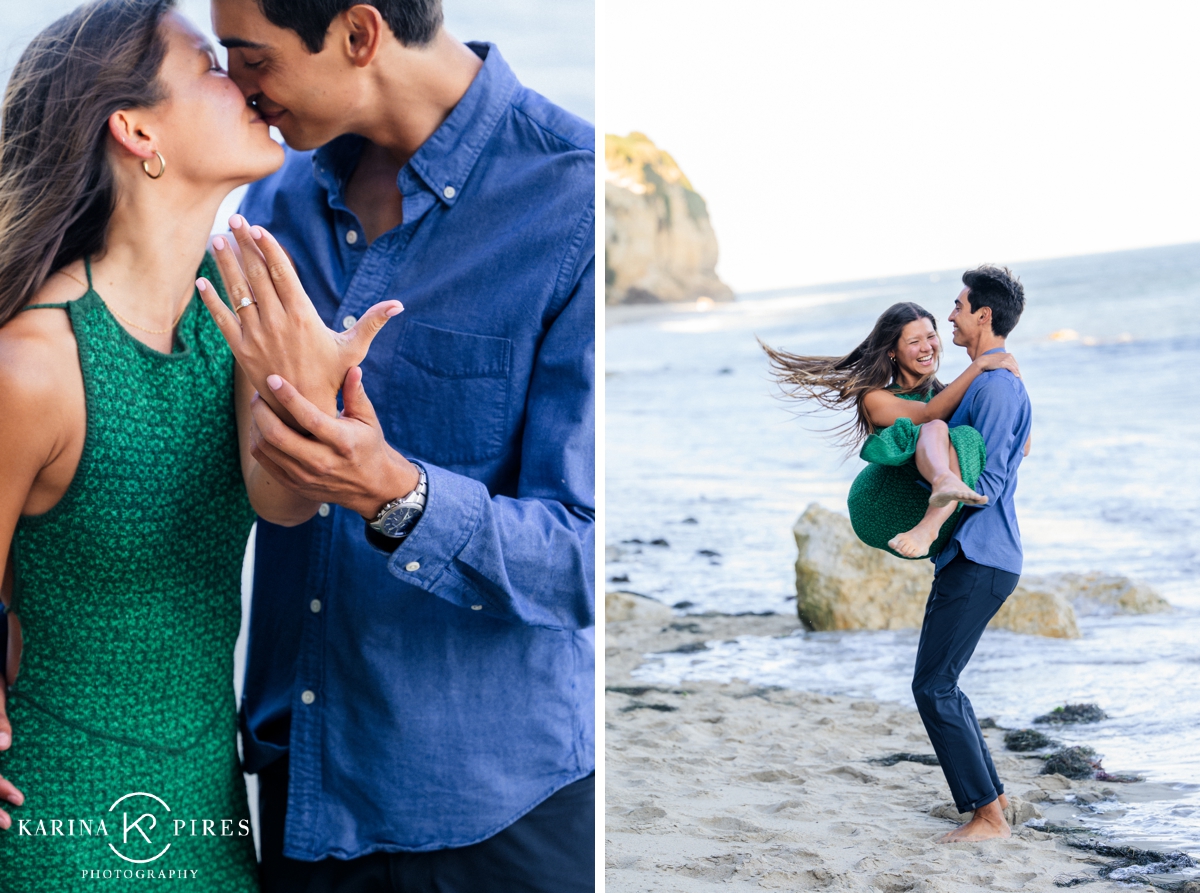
(964, 597)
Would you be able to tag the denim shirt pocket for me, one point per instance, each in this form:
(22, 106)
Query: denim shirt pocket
(448, 402)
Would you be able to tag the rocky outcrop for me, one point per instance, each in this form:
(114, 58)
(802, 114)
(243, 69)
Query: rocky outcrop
(1103, 594)
(1036, 612)
(659, 243)
(842, 583)
(621, 606)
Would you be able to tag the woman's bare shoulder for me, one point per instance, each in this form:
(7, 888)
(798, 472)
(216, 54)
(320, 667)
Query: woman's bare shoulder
(38, 354)
(879, 397)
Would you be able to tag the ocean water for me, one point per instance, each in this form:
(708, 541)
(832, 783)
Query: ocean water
(703, 454)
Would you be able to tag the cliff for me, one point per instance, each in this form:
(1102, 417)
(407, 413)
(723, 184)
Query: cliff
(659, 243)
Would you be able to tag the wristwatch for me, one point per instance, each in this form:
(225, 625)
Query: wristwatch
(397, 519)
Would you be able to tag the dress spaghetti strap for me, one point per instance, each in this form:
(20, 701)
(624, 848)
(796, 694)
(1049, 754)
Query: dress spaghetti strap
(87, 265)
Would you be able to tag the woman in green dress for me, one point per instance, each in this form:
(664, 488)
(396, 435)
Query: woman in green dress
(900, 413)
(127, 484)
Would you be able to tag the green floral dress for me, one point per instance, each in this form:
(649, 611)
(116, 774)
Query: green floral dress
(128, 592)
(885, 499)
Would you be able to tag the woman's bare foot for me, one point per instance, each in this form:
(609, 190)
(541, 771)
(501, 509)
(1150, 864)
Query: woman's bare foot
(988, 823)
(913, 543)
(948, 489)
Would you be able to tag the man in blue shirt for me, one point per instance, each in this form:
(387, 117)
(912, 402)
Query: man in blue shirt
(980, 565)
(420, 679)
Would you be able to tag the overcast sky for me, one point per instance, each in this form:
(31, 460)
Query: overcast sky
(849, 139)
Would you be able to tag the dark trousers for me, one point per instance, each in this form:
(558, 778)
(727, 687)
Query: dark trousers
(551, 849)
(964, 597)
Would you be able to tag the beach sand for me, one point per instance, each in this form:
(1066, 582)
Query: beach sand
(771, 788)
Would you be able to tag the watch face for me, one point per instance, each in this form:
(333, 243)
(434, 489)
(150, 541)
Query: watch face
(395, 521)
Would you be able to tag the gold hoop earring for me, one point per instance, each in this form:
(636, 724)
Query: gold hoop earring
(162, 168)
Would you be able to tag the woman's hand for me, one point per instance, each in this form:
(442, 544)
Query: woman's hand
(1001, 360)
(274, 329)
(9, 792)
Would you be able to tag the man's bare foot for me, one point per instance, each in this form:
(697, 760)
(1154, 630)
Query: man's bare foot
(988, 823)
(948, 489)
(913, 543)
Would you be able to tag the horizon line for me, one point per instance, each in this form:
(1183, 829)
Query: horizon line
(778, 291)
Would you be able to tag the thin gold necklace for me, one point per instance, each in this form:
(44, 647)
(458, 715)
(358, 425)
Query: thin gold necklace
(114, 312)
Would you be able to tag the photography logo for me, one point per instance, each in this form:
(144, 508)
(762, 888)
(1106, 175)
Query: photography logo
(140, 814)
(139, 828)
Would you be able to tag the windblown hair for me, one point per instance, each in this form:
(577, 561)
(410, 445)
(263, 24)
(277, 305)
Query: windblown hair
(57, 189)
(414, 22)
(998, 288)
(841, 383)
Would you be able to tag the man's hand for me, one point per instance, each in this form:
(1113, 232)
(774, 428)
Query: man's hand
(280, 332)
(347, 461)
(990, 361)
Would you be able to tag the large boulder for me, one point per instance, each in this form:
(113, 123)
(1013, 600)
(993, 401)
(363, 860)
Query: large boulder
(620, 606)
(658, 240)
(1037, 612)
(842, 583)
(1103, 594)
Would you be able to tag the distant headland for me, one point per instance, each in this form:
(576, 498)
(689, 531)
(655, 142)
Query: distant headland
(659, 242)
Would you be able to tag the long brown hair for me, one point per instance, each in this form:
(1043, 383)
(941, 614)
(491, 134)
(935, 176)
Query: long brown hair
(843, 382)
(57, 190)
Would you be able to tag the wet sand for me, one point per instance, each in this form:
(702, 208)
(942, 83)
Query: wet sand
(772, 788)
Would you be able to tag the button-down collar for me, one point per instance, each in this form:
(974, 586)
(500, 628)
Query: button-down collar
(445, 160)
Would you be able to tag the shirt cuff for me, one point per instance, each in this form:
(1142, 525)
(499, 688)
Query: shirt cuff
(454, 507)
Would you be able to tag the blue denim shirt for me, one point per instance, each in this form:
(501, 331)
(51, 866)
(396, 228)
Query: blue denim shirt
(997, 406)
(430, 697)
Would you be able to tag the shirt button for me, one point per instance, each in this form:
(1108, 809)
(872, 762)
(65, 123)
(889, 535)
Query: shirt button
(348, 322)
(308, 697)
(476, 607)
(352, 236)
(448, 192)
(315, 606)
(412, 566)
(323, 511)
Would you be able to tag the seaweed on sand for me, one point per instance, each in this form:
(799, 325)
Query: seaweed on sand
(1133, 865)
(1150, 861)
(1025, 740)
(927, 759)
(1073, 713)
(1073, 762)
(638, 705)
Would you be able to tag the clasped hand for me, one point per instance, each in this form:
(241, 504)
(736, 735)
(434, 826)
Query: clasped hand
(298, 365)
